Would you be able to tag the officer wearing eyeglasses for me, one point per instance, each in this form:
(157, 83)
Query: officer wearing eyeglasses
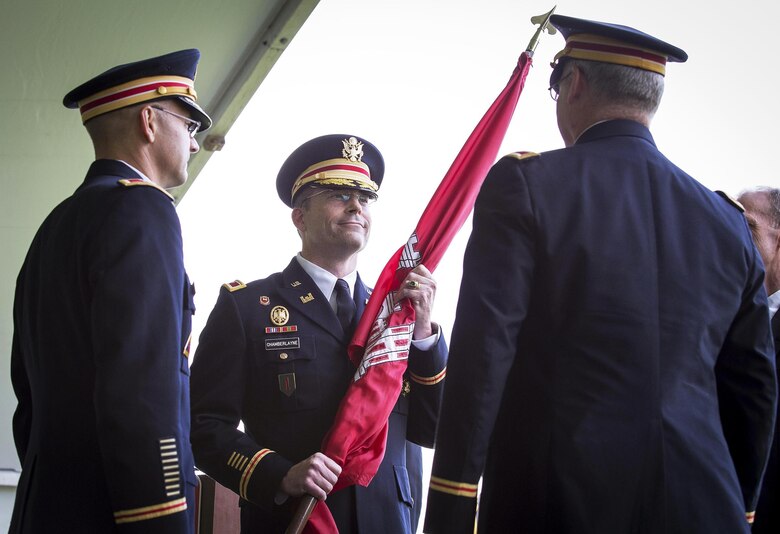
(274, 355)
(612, 345)
(102, 313)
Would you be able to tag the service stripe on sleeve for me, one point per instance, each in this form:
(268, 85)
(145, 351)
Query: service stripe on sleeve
(428, 380)
(244, 483)
(150, 512)
(460, 489)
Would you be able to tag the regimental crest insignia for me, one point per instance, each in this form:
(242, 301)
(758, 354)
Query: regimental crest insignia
(279, 315)
(353, 149)
(264, 300)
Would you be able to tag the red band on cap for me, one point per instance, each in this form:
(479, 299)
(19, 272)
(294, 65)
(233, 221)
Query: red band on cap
(131, 92)
(327, 168)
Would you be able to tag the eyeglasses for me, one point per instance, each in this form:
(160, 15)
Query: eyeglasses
(192, 125)
(555, 89)
(345, 197)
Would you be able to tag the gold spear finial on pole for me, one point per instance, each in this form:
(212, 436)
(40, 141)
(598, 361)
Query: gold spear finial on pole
(544, 24)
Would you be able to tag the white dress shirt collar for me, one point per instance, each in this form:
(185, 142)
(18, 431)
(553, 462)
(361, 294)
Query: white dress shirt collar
(774, 303)
(325, 280)
(142, 175)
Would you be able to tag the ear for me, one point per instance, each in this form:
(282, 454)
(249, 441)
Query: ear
(149, 123)
(297, 219)
(578, 84)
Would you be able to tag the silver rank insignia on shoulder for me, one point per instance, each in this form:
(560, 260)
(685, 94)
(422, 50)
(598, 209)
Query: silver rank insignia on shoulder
(264, 300)
(308, 297)
(280, 315)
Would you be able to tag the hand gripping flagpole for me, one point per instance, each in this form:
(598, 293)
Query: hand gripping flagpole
(356, 440)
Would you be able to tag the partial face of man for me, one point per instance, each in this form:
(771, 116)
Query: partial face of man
(177, 143)
(562, 107)
(765, 235)
(335, 222)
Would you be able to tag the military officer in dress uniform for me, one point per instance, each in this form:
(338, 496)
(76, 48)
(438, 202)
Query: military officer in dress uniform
(612, 367)
(762, 210)
(102, 320)
(274, 355)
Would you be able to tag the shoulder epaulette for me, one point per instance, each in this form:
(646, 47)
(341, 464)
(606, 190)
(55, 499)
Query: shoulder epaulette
(129, 182)
(731, 200)
(235, 285)
(522, 155)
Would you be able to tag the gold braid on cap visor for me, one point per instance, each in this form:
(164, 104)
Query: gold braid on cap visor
(337, 172)
(595, 48)
(135, 92)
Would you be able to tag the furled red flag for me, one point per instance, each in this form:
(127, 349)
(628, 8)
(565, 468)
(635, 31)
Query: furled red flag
(380, 346)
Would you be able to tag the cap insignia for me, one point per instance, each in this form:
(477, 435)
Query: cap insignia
(353, 149)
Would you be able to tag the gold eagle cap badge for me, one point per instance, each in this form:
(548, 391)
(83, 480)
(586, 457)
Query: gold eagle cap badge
(353, 149)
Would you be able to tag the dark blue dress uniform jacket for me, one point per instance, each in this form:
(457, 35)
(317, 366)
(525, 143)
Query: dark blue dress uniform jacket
(286, 388)
(768, 511)
(101, 318)
(612, 365)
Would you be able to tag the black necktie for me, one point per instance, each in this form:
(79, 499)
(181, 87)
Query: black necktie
(345, 306)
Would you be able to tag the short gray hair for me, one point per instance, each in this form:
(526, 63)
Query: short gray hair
(773, 196)
(622, 85)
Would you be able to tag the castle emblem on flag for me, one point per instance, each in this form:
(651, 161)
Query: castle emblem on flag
(386, 343)
(410, 258)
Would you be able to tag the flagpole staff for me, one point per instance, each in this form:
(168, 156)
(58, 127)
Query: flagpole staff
(544, 24)
(302, 513)
(308, 503)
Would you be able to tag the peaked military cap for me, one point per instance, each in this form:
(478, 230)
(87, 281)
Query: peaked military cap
(167, 76)
(338, 161)
(611, 43)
